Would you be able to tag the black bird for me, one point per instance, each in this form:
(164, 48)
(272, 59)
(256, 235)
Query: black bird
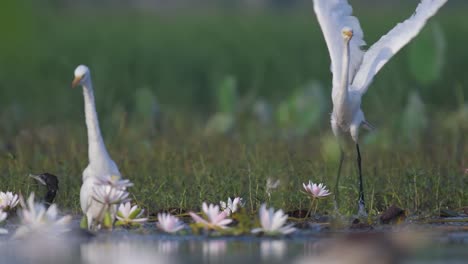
(51, 182)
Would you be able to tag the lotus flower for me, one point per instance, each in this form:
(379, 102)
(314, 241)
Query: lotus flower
(35, 218)
(3, 216)
(273, 222)
(169, 223)
(114, 181)
(109, 195)
(214, 218)
(231, 206)
(8, 201)
(127, 215)
(316, 191)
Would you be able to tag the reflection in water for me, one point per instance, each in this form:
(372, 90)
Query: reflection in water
(213, 249)
(128, 248)
(364, 247)
(129, 252)
(38, 250)
(168, 247)
(273, 249)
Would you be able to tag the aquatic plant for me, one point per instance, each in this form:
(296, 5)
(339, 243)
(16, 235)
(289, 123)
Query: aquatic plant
(109, 195)
(128, 215)
(8, 201)
(315, 192)
(169, 223)
(214, 218)
(115, 182)
(232, 205)
(273, 222)
(36, 219)
(270, 186)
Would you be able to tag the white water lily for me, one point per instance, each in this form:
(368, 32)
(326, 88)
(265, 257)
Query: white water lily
(114, 181)
(271, 185)
(316, 190)
(36, 219)
(215, 219)
(3, 216)
(232, 205)
(8, 201)
(273, 222)
(169, 223)
(108, 195)
(128, 214)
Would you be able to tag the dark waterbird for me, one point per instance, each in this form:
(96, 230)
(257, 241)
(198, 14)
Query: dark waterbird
(51, 182)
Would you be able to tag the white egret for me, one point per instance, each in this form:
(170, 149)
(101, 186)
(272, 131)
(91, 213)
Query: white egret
(100, 163)
(353, 68)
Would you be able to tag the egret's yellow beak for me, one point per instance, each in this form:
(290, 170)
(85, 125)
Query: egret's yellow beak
(76, 81)
(348, 33)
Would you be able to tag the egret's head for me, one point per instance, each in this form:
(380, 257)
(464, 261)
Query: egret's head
(82, 75)
(347, 33)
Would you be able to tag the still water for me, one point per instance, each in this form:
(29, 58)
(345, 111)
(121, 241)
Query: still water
(148, 246)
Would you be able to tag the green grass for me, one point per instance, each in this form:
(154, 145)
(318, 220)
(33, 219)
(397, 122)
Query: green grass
(183, 60)
(180, 169)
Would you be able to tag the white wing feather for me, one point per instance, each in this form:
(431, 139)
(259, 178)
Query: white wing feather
(333, 16)
(388, 45)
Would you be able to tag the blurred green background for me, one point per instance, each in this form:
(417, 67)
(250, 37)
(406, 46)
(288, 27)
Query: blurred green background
(247, 72)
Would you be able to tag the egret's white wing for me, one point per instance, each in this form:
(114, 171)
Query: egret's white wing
(333, 16)
(388, 45)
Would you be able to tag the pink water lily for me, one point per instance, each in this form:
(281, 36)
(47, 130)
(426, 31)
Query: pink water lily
(169, 223)
(214, 217)
(316, 190)
(273, 222)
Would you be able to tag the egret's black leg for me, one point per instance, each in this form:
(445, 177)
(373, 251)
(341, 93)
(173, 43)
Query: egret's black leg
(362, 206)
(337, 192)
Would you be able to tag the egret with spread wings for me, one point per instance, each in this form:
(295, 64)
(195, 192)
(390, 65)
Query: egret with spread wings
(354, 68)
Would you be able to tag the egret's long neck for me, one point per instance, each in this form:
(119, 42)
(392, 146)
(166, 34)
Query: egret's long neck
(96, 149)
(343, 89)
